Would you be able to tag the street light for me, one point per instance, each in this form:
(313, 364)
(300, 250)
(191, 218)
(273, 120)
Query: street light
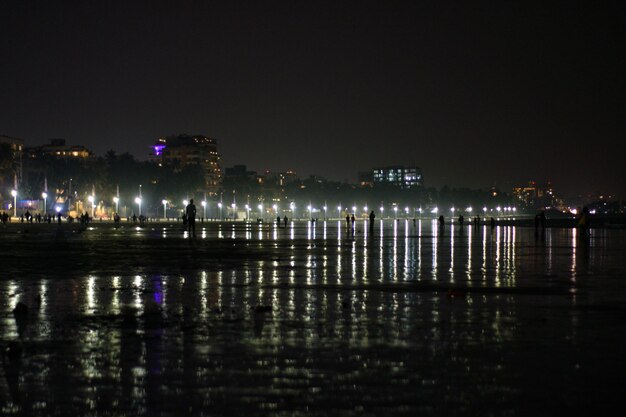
(92, 200)
(204, 208)
(247, 206)
(325, 208)
(14, 194)
(260, 207)
(395, 212)
(164, 202)
(292, 206)
(44, 195)
(220, 207)
(382, 210)
(339, 212)
(234, 206)
(116, 200)
(138, 201)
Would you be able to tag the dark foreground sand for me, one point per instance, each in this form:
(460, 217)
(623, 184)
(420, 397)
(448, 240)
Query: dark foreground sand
(254, 320)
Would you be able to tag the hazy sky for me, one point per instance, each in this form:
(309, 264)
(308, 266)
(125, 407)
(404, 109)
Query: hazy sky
(476, 93)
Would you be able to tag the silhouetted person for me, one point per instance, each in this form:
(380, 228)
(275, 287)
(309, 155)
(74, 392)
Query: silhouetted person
(492, 222)
(442, 221)
(461, 220)
(286, 220)
(190, 211)
(353, 220)
(372, 218)
(59, 217)
(583, 221)
(542, 219)
(347, 221)
(277, 221)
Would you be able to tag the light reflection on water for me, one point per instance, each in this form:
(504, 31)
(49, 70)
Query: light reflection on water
(404, 312)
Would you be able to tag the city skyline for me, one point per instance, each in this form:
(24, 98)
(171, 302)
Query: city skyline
(476, 95)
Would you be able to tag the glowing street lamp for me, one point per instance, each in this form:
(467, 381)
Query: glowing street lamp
(292, 206)
(116, 200)
(260, 207)
(92, 200)
(339, 211)
(14, 194)
(247, 206)
(469, 209)
(406, 210)
(220, 205)
(234, 207)
(44, 195)
(354, 209)
(204, 208)
(164, 202)
(138, 201)
(185, 202)
(484, 209)
(395, 212)
(382, 210)
(325, 208)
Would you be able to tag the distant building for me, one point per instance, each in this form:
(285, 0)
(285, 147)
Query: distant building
(366, 179)
(57, 148)
(183, 150)
(398, 176)
(16, 147)
(534, 196)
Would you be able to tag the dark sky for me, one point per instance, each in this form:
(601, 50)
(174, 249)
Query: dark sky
(476, 93)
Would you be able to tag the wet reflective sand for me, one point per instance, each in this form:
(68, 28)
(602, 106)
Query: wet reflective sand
(249, 319)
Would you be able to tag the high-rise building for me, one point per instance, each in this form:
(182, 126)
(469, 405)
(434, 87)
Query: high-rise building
(14, 172)
(398, 176)
(57, 148)
(182, 150)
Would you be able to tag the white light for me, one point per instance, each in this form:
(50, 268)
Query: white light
(339, 208)
(365, 208)
(57, 209)
(435, 210)
(13, 193)
(44, 195)
(185, 202)
(203, 203)
(485, 209)
(260, 206)
(499, 208)
(219, 205)
(382, 209)
(308, 207)
(162, 202)
(452, 209)
(137, 200)
(91, 199)
(420, 209)
(469, 209)
(354, 208)
(247, 207)
(117, 200)
(233, 205)
(514, 209)
(325, 208)
(406, 210)
(292, 205)
(395, 208)
(275, 207)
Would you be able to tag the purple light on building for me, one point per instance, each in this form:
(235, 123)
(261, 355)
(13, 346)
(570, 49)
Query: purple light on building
(158, 149)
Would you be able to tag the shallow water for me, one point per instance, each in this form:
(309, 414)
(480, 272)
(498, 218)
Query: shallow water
(251, 319)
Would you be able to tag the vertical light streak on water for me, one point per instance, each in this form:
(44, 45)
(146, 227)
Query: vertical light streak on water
(325, 268)
(91, 293)
(220, 235)
(573, 266)
(260, 236)
(381, 255)
(484, 266)
(43, 293)
(137, 283)
(203, 233)
(314, 227)
(308, 230)
(115, 297)
(353, 257)
(419, 250)
(513, 254)
(365, 228)
(435, 233)
(275, 233)
(365, 260)
(469, 256)
(309, 269)
(324, 229)
(394, 261)
(339, 231)
(451, 270)
(291, 231)
(406, 251)
(219, 289)
(498, 260)
(203, 293)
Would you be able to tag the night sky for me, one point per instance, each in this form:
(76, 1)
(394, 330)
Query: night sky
(476, 93)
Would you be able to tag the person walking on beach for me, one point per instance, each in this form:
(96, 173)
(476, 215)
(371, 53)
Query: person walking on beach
(190, 211)
(372, 217)
(347, 221)
(286, 219)
(353, 220)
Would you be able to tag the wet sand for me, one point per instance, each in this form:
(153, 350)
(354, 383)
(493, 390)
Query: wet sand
(248, 319)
